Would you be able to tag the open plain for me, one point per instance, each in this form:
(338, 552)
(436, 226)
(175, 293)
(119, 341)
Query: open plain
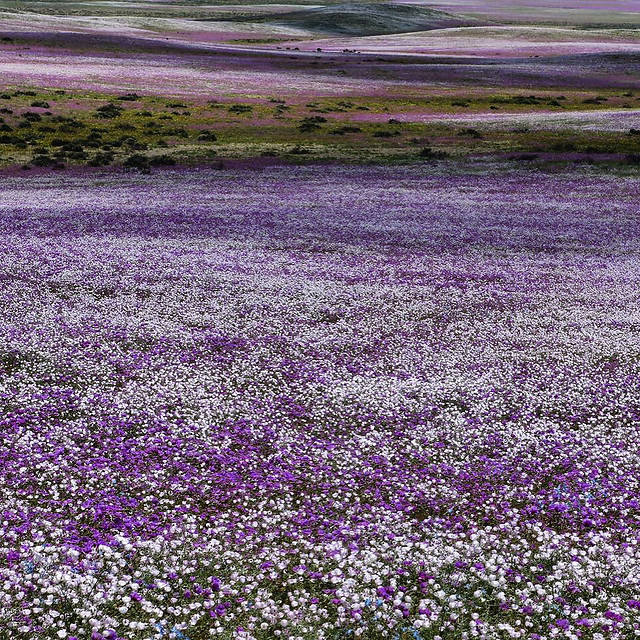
(319, 320)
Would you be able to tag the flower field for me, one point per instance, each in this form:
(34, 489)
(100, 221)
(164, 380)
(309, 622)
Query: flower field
(320, 402)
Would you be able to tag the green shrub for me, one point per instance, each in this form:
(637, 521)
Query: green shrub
(162, 161)
(101, 159)
(138, 162)
(386, 134)
(308, 127)
(207, 136)
(31, 116)
(42, 160)
(130, 97)
(240, 108)
(428, 153)
(109, 111)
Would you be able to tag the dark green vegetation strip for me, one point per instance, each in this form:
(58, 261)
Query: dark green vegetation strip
(57, 128)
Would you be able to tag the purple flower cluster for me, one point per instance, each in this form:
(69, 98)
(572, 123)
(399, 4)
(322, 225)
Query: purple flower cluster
(320, 403)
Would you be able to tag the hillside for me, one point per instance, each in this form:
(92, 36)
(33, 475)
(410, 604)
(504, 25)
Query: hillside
(368, 19)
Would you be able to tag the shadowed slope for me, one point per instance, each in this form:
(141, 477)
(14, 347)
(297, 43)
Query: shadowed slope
(367, 19)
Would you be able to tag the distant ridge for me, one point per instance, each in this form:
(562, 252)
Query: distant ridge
(369, 19)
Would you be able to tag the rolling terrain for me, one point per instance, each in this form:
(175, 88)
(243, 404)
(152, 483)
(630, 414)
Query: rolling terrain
(319, 320)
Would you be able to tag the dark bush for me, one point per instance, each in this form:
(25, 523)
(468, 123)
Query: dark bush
(101, 159)
(42, 160)
(386, 134)
(138, 162)
(299, 151)
(207, 136)
(162, 161)
(109, 111)
(78, 156)
(72, 147)
(308, 127)
(240, 108)
(133, 144)
(563, 146)
(315, 119)
(179, 132)
(472, 133)
(429, 154)
(32, 116)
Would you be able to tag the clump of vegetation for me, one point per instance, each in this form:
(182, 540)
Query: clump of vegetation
(109, 111)
(564, 146)
(299, 151)
(471, 133)
(311, 123)
(207, 136)
(526, 157)
(240, 108)
(386, 134)
(101, 159)
(143, 163)
(42, 160)
(31, 116)
(137, 161)
(427, 153)
(162, 161)
(308, 127)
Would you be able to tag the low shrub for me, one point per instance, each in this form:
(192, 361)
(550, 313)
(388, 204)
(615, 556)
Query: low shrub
(137, 161)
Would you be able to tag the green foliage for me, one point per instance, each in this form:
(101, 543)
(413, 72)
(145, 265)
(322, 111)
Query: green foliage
(109, 111)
